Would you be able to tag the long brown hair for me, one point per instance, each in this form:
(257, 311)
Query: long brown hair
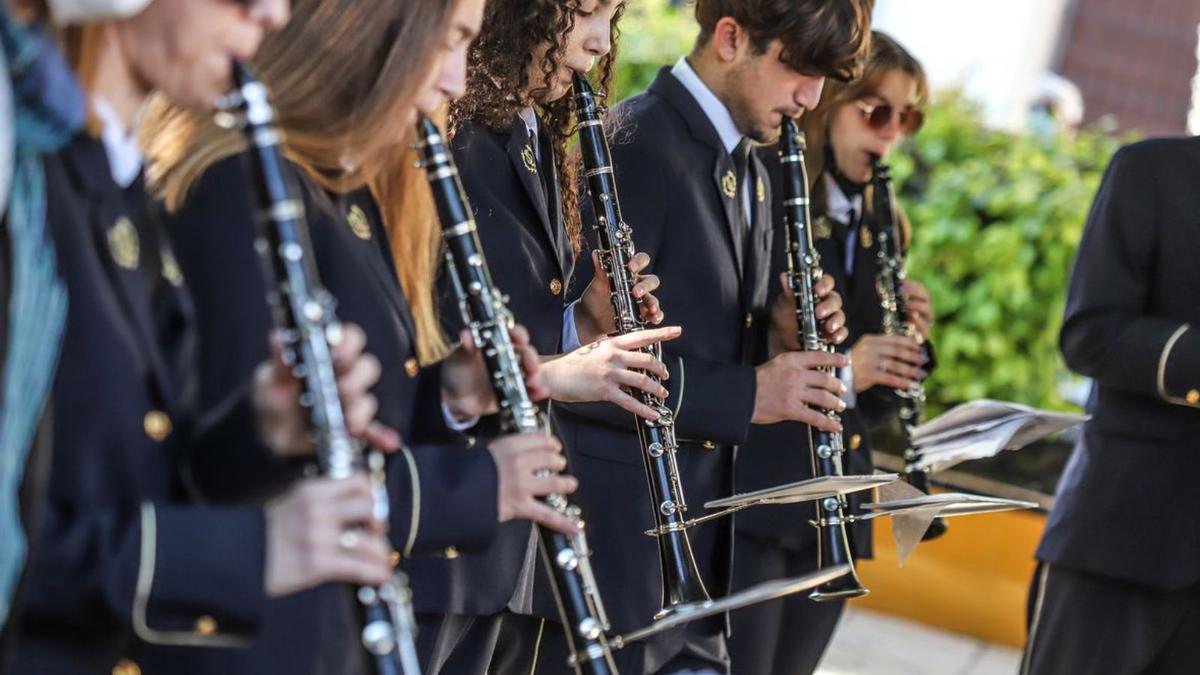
(343, 75)
(498, 77)
(886, 55)
(81, 45)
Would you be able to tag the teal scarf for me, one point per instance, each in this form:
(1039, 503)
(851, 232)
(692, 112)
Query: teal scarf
(48, 108)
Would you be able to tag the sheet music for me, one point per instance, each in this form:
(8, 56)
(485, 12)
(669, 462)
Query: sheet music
(983, 429)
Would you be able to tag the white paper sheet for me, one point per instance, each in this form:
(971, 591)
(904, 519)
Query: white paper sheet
(983, 429)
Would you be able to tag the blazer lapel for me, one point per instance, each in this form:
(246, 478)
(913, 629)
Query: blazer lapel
(383, 264)
(556, 229)
(121, 246)
(524, 162)
(756, 278)
(724, 178)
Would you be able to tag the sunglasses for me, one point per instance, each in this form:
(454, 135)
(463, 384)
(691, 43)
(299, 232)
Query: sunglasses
(880, 115)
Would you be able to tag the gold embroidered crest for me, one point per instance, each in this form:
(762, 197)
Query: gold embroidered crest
(123, 243)
(865, 237)
(760, 191)
(822, 228)
(729, 184)
(170, 269)
(359, 224)
(530, 160)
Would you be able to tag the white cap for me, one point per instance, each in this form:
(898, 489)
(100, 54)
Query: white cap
(65, 12)
(1061, 95)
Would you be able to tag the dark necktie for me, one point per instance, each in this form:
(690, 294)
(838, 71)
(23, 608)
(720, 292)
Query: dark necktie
(539, 159)
(741, 166)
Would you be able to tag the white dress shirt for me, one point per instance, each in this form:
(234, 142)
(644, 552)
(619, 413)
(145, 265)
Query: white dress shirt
(844, 210)
(125, 158)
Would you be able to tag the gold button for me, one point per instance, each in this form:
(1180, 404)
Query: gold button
(749, 319)
(451, 553)
(709, 445)
(126, 667)
(206, 625)
(157, 425)
(395, 558)
(1193, 396)
(555, 286)
(855, 441)
(411, 367)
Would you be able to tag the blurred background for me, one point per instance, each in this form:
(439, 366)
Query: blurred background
(1031, 99)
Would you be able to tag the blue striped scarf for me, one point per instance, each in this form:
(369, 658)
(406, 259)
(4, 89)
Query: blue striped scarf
(48, 108)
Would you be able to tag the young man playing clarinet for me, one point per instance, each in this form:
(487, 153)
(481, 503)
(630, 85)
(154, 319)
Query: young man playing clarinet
(790, 637)
(1117, 590)
(695, 197)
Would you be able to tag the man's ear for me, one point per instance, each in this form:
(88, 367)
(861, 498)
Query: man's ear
(728, 38)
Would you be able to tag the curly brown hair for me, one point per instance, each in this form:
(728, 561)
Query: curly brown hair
(498, 82)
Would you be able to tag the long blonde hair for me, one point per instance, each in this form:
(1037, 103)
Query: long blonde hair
(343, 76)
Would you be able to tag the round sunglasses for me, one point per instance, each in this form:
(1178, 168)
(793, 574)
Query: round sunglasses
(879, 115)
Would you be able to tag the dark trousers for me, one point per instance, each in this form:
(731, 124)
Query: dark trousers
(1085, 623)
(778, 637)
(457, 644)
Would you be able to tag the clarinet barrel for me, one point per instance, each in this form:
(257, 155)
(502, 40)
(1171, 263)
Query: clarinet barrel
(803, 272)
(304, 312)
(889, 279)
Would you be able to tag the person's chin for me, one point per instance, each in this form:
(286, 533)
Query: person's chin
(202, 97)
(557, 93)
(765, 135)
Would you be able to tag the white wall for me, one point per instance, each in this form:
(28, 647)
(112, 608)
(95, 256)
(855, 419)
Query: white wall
(995, 50)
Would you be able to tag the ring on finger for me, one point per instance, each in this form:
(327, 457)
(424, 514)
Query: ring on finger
(348, 540)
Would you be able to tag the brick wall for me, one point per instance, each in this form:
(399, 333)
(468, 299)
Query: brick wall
(1133, 59)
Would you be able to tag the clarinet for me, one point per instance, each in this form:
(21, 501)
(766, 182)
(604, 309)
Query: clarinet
(804, 269)
(304, 311)
(890, 276)
(484, 310)
(682, 584)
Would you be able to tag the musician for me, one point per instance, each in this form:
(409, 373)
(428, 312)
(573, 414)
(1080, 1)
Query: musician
(122, 562)
(698, 202)
(854, 121)
(508, 133)
(366, 112)
(1117, 589)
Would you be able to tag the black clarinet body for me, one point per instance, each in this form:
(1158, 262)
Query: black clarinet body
(891, 272)
(485, 311)
(304, 313)
(682, 583)
(803, 272)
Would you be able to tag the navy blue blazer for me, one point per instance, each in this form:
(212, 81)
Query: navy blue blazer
(672, 169)
(517, 207)
(1124, 506)
(121, 561)
(442, 495)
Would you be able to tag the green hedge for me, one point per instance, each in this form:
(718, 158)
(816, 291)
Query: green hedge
(997, 217)
(653, 34)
